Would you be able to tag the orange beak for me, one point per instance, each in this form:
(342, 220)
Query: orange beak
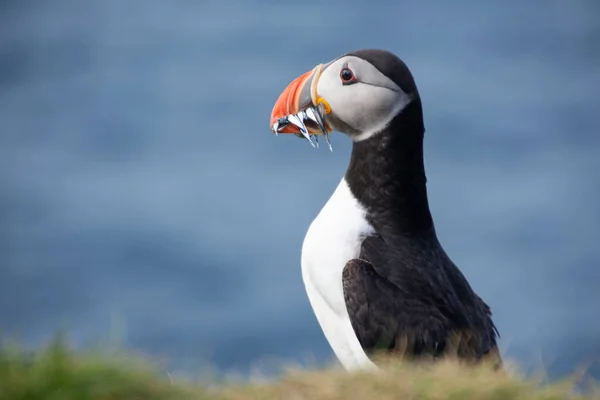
(299, 95)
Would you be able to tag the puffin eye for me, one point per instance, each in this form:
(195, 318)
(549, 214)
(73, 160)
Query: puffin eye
(347, 76)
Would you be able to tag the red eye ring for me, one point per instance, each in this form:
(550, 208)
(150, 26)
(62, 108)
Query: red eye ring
(347, 76)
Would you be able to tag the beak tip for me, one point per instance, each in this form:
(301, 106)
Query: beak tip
(287, 103)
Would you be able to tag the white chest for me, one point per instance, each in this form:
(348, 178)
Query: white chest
(333, 238)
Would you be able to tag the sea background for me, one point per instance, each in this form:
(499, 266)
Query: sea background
(143, 198)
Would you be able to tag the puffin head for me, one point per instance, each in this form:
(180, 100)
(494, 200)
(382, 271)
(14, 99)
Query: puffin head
(358, 94)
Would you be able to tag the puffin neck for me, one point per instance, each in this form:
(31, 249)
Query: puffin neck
(387, 176)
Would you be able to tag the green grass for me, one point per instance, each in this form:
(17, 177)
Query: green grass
(58, 373)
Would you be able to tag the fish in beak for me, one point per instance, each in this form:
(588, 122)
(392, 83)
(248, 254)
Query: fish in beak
(299, 110)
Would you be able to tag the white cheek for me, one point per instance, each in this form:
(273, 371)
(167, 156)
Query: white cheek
(363, 107)
(400, 101)
(367, 108)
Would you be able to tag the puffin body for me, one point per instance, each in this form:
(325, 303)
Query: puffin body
(375, 273)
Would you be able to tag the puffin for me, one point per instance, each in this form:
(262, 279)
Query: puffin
(375, 273)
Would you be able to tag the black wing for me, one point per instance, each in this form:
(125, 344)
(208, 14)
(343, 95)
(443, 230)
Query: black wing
(417, 307)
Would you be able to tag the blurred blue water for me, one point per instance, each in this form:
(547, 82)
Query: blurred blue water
(140, 183)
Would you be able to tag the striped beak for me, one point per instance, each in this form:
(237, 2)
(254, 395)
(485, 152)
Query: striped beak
(300, 111)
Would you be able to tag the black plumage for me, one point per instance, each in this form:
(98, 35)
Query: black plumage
(404, 293)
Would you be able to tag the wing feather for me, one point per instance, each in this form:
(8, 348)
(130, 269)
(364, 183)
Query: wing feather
(397, 304)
